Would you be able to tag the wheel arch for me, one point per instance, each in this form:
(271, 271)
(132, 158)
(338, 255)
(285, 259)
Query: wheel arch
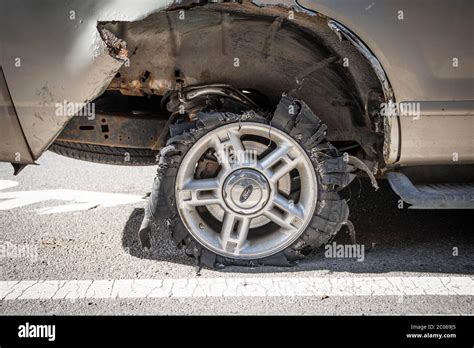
(232, 27)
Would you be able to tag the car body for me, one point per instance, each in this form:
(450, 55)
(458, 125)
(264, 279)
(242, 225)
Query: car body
(65, 59)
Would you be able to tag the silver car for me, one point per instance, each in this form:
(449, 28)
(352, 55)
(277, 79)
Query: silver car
(258, 114)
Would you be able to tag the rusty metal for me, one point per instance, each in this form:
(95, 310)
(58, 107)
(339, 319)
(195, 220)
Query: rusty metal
(117, 47)
(115, 129)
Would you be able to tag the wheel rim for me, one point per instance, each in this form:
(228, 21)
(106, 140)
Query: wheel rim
(242, 212)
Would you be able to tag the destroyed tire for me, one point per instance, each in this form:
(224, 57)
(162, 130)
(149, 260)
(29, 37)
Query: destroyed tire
(240, 189)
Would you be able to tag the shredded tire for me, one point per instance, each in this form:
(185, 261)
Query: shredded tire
(105, 154)
(291, 116)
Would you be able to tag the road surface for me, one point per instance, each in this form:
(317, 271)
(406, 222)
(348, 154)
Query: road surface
(68, 238)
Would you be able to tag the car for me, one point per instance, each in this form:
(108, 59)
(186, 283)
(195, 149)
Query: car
(258, 114)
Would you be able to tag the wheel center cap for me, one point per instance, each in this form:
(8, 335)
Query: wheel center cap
(246, 191)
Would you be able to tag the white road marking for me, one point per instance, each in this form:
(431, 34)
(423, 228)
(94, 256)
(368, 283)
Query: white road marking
(235, 287)
(80, 200)
(6, 184)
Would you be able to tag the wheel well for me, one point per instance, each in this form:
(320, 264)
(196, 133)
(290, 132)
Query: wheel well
(262, 49)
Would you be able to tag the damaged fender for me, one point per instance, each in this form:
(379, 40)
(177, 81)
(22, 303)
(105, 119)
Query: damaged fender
(48, 65)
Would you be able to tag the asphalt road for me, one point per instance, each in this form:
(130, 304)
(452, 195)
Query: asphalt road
(72, 222)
